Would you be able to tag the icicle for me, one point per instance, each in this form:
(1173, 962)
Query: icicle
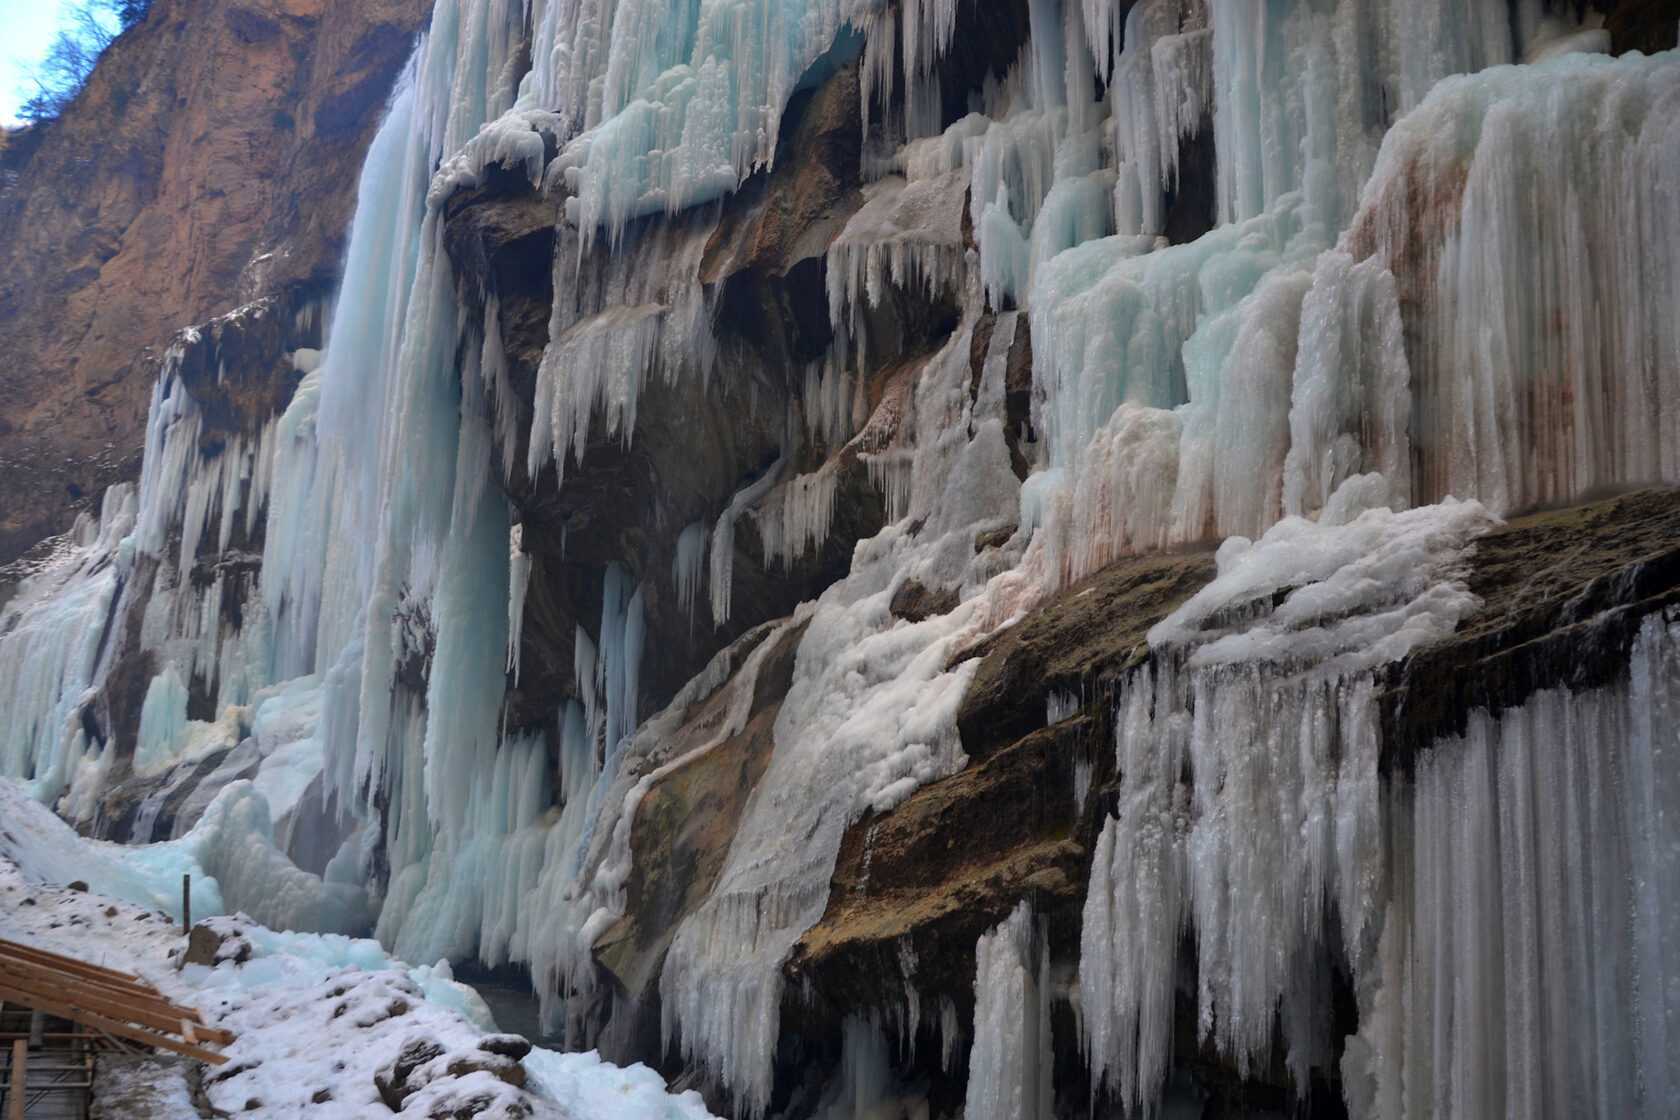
(1010, 1064)
(688, 566)
(793, 518)
(1250, 791)
(908, 235)
(1060, 705)
(892, 472)
(1163, 93)
(1528, 955)
(519, 580)
(722, 563)
(610, 329)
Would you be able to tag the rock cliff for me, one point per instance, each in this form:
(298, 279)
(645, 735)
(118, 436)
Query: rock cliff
(211, 160)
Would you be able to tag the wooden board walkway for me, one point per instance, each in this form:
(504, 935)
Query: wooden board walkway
(116, 1003)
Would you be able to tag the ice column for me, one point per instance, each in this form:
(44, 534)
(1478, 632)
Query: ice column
(1010, 1064)
(1525, 212)
(1529, 957)
(1250, 805)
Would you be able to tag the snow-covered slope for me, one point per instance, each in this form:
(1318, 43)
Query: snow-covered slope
(316, 1017)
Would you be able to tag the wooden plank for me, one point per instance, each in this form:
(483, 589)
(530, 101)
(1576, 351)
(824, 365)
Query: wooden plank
(124, 1030)
(47, 956)
(148, 998)
(66, 964)
(130, 998)
(166, 1018)
(20, 1078)
(88, 973)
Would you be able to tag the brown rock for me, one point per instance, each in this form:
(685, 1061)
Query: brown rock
(498, 1066)
(949, 862)
(209, 945)
(1641, 25)
(514, 1046)
(1078, 642)
(392, 1080)
(1563, 595)
(915, 601)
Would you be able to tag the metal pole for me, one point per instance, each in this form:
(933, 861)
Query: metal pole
(186, 901)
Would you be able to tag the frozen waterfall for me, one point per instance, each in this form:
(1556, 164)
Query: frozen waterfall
(1435, 286)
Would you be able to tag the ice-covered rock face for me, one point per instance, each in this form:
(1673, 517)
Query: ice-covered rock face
(637, 351)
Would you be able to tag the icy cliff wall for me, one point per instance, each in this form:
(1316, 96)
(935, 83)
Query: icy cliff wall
(740, 553)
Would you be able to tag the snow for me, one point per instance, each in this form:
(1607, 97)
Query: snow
(585, 1087)
(315, 1016)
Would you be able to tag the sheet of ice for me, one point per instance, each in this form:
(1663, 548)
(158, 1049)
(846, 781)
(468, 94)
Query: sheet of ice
(1251, 799)
(60, 634)
(1163, 84)
(50, 635)
(1162, 385)
(1528, 954)
(1352, 402)
(673, 104)
(1525, 212)
(1011, 1062)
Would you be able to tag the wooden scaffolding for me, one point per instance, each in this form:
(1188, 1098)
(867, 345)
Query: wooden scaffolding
(57, 1012)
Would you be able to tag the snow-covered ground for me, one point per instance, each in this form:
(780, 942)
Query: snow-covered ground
(318, 1018)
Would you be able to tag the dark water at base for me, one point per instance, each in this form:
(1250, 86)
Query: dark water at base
(512, 1002)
